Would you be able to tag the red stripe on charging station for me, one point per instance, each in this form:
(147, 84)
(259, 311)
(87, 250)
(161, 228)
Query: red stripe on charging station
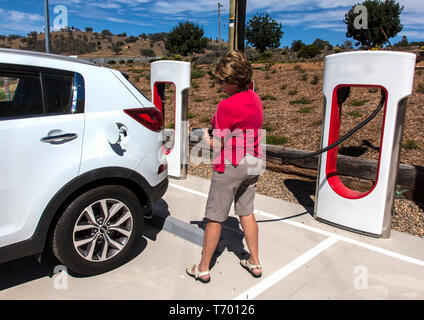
(331, 168)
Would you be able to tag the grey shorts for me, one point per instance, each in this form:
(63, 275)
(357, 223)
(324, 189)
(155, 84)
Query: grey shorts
(235, 184)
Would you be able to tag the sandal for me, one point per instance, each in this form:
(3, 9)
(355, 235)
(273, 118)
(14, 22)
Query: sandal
(197, 274)
(249, 267)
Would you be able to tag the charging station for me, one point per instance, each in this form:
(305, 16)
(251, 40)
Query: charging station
(392, 73)
(177, 73)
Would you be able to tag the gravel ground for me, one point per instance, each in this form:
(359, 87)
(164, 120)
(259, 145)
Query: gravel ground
(408, 216)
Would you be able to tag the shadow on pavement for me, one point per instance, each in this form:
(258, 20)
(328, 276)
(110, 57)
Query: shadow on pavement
(302, 191)
(231, 239)
(24, 270)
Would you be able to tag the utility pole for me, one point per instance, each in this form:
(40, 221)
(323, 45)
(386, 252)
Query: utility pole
(219, 19)
(232, 25)
(46, 15)
(240, 24)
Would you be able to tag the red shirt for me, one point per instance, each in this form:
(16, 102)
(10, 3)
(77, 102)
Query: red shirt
(238, 119)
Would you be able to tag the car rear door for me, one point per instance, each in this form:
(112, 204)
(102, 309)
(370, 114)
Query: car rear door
(41, 134)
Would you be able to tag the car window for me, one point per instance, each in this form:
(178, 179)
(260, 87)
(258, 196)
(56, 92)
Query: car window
(134, 86)
(20, 94)
(59, 93)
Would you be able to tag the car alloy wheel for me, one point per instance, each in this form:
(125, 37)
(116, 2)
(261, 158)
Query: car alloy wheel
(102, 230)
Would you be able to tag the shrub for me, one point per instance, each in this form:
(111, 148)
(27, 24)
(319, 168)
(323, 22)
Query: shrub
(131, 39)
(355, 114)
(251, 54)
(411, 145)
(199, 99)
(302, 100)
(268, 97)
(277, 140)
(209, 58)
(420, 88)
(266, 55)
(309, 51)
(358, 103)
(293, 92)
(197, 73)
(305, 110)
(147, 52)
(299, 68)
(268, 127)
(315, 80)
(266, 67)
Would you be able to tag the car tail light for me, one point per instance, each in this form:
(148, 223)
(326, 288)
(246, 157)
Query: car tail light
(151, 118)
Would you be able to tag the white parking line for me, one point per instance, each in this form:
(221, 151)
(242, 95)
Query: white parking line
(346, 239)
(326, 233)
(286, 270)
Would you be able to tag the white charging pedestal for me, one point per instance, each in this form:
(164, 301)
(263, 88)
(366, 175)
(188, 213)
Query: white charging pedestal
(179, 74)
(368, 213)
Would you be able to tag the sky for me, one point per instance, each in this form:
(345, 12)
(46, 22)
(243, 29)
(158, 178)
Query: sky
(304, 20)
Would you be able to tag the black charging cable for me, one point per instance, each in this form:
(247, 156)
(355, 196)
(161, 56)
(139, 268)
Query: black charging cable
(342, 95)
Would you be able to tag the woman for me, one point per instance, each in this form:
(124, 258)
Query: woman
(237, 126)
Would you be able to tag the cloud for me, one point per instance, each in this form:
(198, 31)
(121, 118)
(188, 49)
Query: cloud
(178, 7)
(13, 21)
(17, 16)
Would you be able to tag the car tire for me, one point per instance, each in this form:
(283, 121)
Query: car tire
(96, 231)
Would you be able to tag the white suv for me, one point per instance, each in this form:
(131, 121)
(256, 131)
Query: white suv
(81, 160)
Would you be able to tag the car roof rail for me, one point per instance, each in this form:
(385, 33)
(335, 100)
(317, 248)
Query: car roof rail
(46, 55)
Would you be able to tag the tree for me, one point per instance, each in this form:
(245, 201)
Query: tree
(186, 38)
(106, 34)
(322, 44)
(263, 32)
(403, 43)
(297, 45)
(88, 29)
(347, 45)
(381, 17)
(309, 51)
(116, 47)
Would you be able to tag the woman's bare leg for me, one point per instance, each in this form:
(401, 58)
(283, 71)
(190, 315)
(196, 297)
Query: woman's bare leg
(210, 242)
(250, 229)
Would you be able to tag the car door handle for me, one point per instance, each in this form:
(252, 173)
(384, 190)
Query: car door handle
(60, 138)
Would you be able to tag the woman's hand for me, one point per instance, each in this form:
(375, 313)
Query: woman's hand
(206, 138)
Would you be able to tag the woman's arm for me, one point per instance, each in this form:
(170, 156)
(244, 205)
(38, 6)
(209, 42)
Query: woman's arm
(218, 142)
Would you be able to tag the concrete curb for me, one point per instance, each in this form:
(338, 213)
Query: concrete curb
(184, 230)
(191, 233)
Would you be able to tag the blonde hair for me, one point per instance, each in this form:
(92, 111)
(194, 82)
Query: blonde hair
(233, 67)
